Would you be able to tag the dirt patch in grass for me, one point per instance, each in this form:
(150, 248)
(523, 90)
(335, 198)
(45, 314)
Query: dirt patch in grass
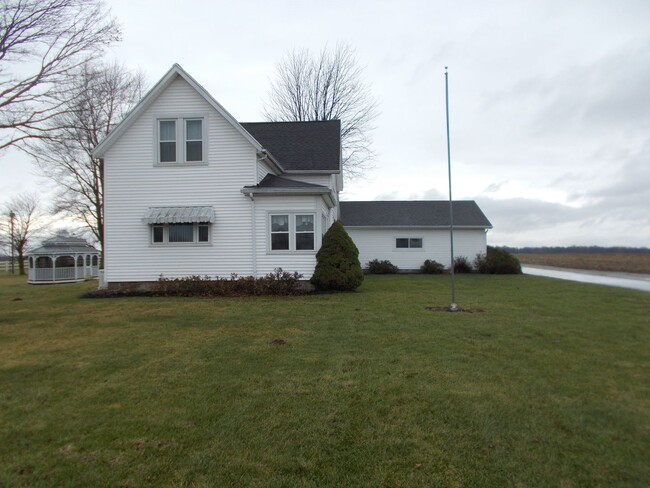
(278, 342)
(459, 309)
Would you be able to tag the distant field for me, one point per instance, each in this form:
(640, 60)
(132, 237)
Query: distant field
(624, 262)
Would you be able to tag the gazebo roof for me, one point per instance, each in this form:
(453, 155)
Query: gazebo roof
(64, 244)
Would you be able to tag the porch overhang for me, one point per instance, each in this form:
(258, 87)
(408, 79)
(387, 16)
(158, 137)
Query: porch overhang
(178, 215)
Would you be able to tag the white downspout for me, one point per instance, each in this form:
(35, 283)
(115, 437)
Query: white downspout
(253, 234)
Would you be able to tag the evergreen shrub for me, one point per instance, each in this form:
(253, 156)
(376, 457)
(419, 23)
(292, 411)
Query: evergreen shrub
(337, 262)
(381, 267)
(462, 265)
(497, 261)
(432, 267)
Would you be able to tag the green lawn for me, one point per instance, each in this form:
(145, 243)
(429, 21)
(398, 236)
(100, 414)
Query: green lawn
(547, 385)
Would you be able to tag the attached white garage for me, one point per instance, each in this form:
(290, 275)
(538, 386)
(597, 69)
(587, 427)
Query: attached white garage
(409, 232)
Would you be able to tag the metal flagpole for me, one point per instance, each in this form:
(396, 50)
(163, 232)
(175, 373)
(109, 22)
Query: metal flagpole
(453, 307)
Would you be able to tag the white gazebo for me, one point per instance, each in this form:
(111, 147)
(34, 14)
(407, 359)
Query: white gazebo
(63, 259)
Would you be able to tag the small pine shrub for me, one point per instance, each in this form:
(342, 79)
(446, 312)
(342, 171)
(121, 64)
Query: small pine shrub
(278, 282)
(432, 267)
(337, 262)
(497, 261)
(381, 267)
(462, 265)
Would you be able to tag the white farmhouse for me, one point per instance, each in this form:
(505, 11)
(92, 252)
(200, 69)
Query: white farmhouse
(188, 190)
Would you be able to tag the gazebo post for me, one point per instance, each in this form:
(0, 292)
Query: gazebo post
(53, 258)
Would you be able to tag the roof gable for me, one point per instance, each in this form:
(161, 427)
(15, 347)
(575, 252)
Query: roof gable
(150, 97)
(412, 214)
(309, 146)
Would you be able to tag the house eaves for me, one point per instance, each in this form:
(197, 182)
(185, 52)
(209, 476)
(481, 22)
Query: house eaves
(152, 94)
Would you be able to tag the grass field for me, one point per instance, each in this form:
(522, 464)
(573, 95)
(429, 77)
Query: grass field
(547, 383)
(623, 262)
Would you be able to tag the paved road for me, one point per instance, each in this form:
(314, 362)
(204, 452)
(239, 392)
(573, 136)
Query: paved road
(622, 280)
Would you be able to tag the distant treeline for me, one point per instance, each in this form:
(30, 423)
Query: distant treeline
(574, 249)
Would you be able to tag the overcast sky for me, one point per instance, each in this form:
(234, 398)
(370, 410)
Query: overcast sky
(550, 100)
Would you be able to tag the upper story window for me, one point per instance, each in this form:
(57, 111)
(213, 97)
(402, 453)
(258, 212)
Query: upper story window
(180, 140)
(167, 141)
(193, 140)
(408, 243)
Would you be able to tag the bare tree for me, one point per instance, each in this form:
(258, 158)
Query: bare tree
(28, 223)
(41, 43)
(327, 86)
(103, 94)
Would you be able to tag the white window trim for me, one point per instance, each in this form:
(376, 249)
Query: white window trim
(180, 118)
(195, 235)
(407, 249)
(292, 232)
(186, 140)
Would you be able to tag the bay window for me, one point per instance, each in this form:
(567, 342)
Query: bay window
(292, 232)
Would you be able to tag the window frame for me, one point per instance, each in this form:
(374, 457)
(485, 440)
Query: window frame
(186, 139)
(292, 215)
(160, 141)
(181, 141)
(195, 235)
(409, 246)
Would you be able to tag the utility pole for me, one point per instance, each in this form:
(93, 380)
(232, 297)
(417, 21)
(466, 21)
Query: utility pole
(12, 216)
(453, 307)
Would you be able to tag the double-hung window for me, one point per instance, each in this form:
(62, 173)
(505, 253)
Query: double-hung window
(193, 140)
(292, 232)
(408, 243)
(167, 141)
(181, 140)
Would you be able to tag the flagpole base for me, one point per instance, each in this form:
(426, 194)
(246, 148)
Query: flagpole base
(454, 307)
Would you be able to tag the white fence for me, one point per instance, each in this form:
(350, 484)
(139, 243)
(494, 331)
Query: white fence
(6, 266)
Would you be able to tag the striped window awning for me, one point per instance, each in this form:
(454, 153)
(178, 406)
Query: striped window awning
(178, 215)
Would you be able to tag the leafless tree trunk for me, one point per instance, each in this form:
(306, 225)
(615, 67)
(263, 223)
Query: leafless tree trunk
(327, 86)
(28, 222)
(41, 43)
(103, 94)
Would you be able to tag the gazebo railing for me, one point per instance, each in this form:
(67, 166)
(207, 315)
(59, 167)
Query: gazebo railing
(49, 272)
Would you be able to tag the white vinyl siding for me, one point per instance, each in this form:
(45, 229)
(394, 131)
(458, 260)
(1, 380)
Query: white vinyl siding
(263, 169)
(133, 185)
(380, 244)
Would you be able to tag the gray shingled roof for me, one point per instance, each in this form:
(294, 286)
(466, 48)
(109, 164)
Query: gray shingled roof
(300, 146)
(272, 181)
(63, 244)
(412, 214)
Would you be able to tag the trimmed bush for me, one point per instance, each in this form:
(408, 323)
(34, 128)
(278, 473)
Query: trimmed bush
(497, 261)
(381, 267)
(277, 283)
(462, 265)
(432, 267)
(337, 262)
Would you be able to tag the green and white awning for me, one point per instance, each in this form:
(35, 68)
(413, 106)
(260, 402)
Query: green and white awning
(178, 215)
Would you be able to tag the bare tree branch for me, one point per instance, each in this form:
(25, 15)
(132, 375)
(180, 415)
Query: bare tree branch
(328, 86)
(41, 43)
(29, 223)
(102, 96)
